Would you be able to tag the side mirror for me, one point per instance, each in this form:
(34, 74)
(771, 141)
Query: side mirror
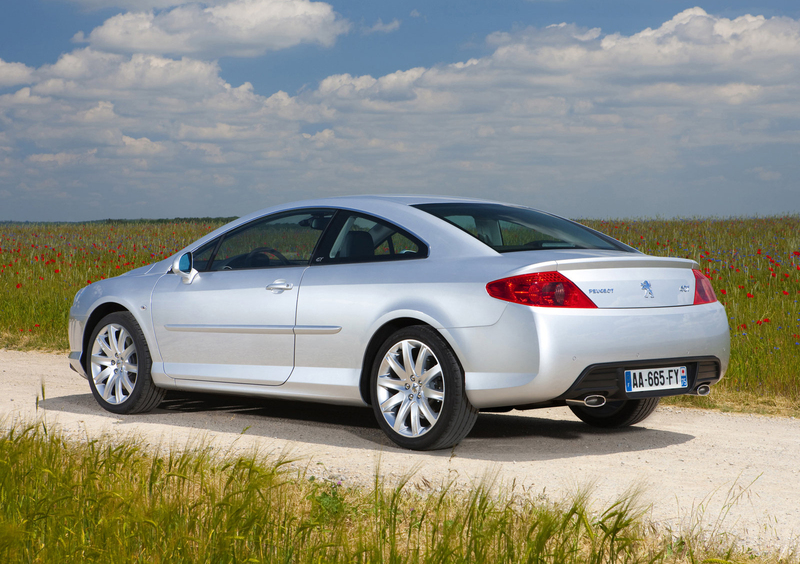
(183, 266)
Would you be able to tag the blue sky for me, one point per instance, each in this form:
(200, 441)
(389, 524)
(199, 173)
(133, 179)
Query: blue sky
(587, 108)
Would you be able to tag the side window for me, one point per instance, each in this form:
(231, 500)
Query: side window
(286, 239)
(361, 238)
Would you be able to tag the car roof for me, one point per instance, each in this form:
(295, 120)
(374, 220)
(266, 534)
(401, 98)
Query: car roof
(414, 199)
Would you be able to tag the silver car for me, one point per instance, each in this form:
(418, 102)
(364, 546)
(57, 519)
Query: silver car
(427, 309)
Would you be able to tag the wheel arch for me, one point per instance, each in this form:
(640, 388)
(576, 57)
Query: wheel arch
(91, 324)
(378, 338)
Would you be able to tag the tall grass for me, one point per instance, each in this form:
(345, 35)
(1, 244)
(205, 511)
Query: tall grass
(754, 264)
(96, 501)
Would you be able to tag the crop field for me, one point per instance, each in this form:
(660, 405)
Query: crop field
(754, 264)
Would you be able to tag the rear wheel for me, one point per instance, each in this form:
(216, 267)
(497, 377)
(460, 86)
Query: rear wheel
(417, 391)
(119, 366)
(621, 413)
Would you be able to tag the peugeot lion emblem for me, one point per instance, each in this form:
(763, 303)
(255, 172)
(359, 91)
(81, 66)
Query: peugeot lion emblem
(648, 291)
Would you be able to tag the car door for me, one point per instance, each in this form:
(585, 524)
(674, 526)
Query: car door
(234, 322)
(361, 269)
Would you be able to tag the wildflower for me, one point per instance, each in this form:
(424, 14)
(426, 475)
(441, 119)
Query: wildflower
(749, 295)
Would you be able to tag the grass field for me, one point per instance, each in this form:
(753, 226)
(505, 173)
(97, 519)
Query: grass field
(754, 265)
(63, 501)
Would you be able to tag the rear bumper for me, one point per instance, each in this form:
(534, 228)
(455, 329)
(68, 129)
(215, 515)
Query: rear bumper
(608, 380)
(536, 355)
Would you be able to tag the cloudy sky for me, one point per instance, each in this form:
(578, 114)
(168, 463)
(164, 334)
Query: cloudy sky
(587, 108)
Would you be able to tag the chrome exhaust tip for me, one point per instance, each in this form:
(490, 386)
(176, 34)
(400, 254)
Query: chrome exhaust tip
(703, 390)
(588, 401)
(594, 401)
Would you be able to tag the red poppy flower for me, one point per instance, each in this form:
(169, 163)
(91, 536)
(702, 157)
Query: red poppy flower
(19, 285)
(749, 295)
(723, 292)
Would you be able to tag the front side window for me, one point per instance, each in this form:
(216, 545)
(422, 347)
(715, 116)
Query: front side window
(361, 238)
(286, 239)
(507, 229)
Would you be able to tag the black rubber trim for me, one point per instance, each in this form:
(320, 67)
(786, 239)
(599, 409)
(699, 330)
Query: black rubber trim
(609, 379)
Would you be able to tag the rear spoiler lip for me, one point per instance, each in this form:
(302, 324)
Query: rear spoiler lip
(609, 262)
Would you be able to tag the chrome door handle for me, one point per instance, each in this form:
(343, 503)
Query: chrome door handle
(279, 286)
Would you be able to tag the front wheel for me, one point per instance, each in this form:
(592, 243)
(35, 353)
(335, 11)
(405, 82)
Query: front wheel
(620, 413)
(417, 391)
(119, 366)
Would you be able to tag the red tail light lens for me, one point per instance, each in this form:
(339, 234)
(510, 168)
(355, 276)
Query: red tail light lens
(543, 289)
(703, 291)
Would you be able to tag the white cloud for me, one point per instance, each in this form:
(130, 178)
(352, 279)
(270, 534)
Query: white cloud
(380, 27)
(139, 147)
(765, 174)
(61, 159)
(12, 74)
(87, 73)
(244, 28)
(684, 119)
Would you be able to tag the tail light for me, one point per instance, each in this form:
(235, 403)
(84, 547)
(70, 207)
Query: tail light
(703, 291)
(543, 289)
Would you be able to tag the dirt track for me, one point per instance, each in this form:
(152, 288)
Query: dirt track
(684, 459)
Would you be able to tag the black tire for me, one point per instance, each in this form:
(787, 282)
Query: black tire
(444, 415)
(131, 388)
(621, 413)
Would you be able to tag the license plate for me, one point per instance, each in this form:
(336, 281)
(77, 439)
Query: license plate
(651, 379)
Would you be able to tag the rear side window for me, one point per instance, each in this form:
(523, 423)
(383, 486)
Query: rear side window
(355, 237)
(507, 228)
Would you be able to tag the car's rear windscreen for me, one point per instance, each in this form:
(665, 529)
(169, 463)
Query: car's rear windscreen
(508, 228)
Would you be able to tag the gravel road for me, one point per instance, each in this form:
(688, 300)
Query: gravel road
(689, 462)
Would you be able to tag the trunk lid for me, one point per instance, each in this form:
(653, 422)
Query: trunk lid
(627, 281)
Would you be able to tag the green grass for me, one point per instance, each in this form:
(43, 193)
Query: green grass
(42, 266)
(754, 265)
(95, 501)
